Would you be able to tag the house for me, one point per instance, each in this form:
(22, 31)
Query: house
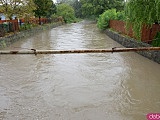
(2, 16)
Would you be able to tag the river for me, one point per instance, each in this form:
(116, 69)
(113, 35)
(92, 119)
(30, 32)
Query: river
(99, 86)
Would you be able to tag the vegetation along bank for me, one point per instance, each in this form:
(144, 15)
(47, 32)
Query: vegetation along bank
(135, 26)
(8, 40)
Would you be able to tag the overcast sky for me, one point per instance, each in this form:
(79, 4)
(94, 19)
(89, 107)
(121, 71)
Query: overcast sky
(54, 1)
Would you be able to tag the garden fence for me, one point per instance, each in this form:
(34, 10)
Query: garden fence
(147, 33)
(7, 26)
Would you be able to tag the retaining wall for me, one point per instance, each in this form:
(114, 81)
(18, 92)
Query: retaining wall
(8, 40)
(130, 42)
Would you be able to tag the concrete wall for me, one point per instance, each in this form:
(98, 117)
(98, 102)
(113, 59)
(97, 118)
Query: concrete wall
(8, 40)
(130, 42)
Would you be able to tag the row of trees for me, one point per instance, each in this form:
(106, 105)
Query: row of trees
(69, 9)
(39, 8)
(27, 8)
(93, 8)
(136, 13)
(19, 8)
(96, 7)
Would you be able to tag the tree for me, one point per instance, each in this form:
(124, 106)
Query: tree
(77, 8)
(75, 4)
(87, 9)
(139, 12)
(67, 12)
(52, 10)
(16, 7)
(97, 7)
(44, 8)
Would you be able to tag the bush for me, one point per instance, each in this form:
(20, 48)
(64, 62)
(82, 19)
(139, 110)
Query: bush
(103, 20)
(156, 42)
(25, 26)
(120, 16)
(67, 12)
(56, 18)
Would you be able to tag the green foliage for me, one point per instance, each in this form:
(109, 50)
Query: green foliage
(25, 26)
(139, 12)
(52, 10)
(156, 42)
(75, 4)
(87, 9)
(103, 20)
(54, 16)
(120, 16)
(44, 8)
(97, 7)
(67, 12)
(77, 8)
(16, 7)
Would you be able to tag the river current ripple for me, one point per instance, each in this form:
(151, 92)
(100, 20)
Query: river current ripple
(101, 86)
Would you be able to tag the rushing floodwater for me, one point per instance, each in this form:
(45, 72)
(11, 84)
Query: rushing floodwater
(118, 86)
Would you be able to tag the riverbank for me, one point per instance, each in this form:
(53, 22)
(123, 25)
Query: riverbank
(132, 43)
(10, 39)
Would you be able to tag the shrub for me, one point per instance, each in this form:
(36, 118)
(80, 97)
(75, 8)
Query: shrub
(67, 12)
(56, 18)
(25, 26)
(103, 20)
(120, 16)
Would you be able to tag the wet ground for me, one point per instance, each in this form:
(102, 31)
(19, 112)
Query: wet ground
(118, 86)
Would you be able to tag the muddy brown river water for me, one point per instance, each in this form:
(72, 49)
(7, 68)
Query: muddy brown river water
(118, 86)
